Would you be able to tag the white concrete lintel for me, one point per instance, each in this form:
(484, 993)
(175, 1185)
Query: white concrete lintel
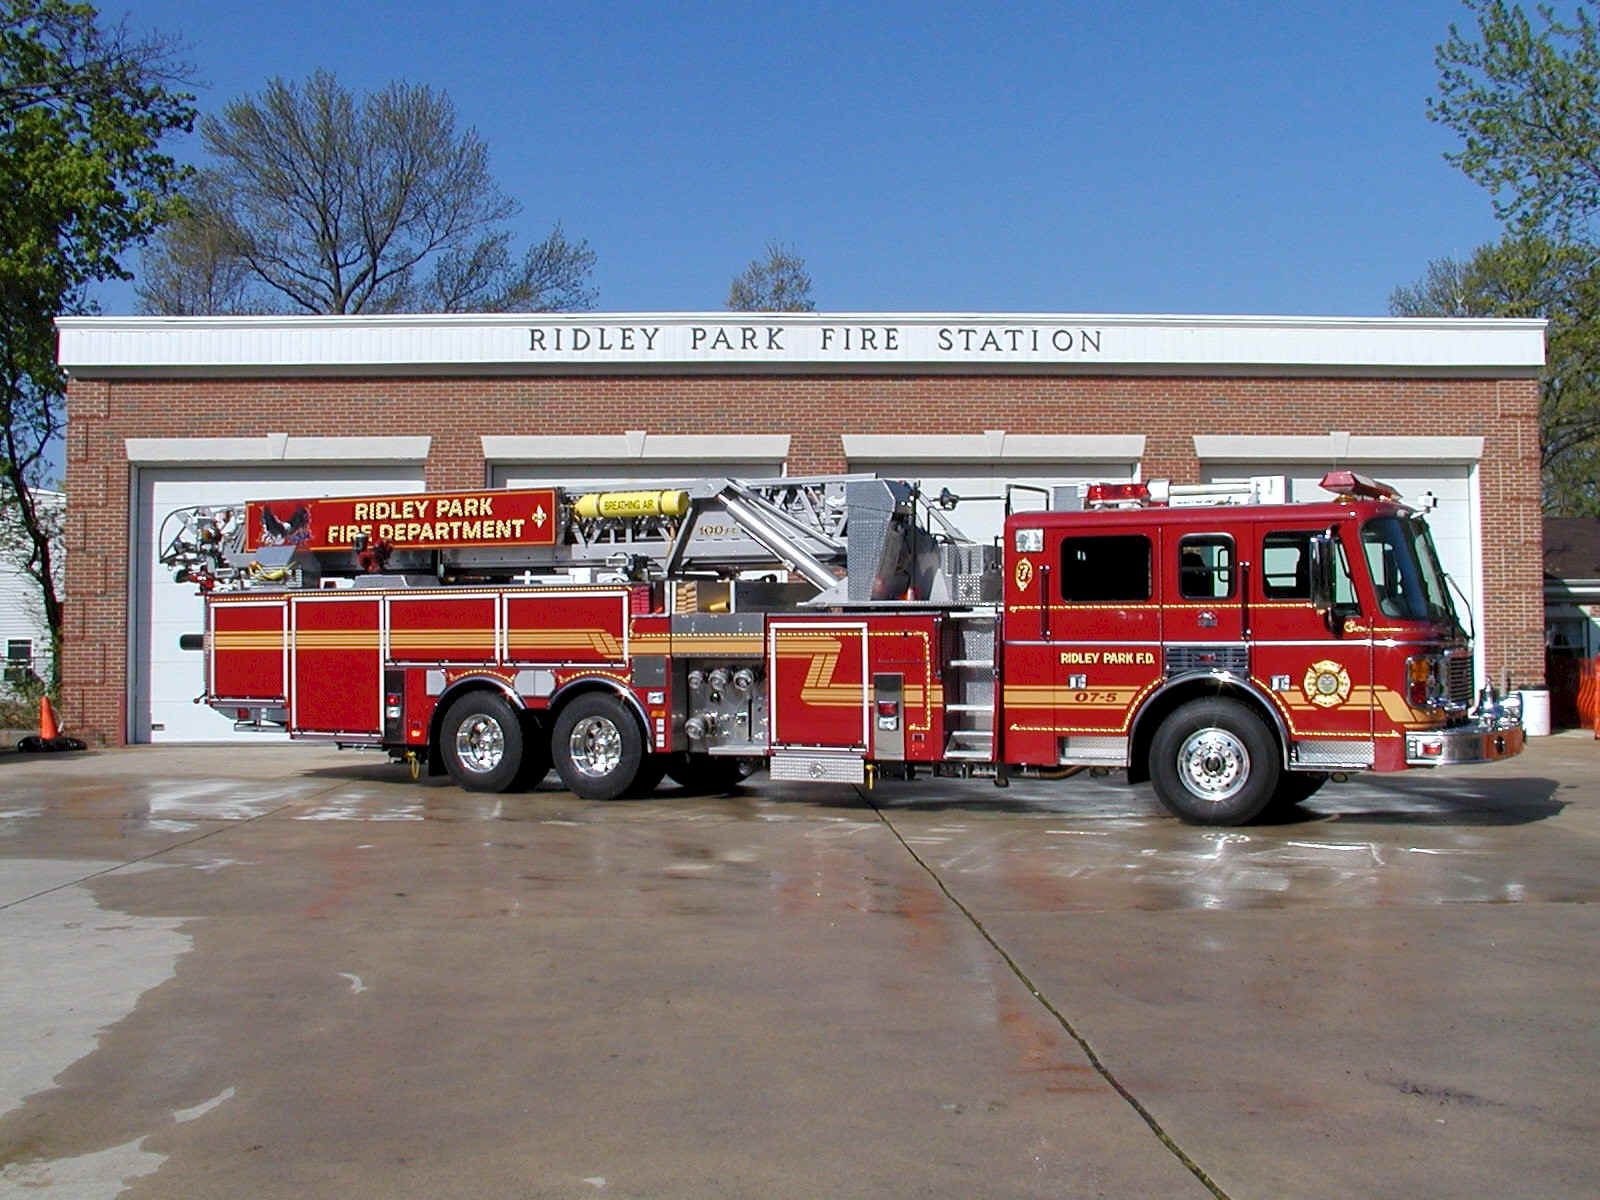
(636, 445)
(993, 445)
(1334, 447)
(276, 448)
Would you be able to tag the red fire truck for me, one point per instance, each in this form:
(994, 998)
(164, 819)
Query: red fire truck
(1234, 652)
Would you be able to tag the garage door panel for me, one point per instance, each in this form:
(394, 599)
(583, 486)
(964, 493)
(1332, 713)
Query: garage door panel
(164, 679)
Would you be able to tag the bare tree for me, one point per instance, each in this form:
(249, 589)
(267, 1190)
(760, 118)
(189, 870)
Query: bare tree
(777, 283)
(317, 201)
(190, 269)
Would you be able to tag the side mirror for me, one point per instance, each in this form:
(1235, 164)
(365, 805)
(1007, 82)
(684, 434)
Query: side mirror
(1323, 566)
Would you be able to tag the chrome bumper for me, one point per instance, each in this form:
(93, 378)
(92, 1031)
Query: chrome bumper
(1480, 741)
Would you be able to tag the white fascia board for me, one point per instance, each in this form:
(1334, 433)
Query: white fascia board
(993, 445)
(802, 342)
(637, 446)
(275, 448)
(1335, 447)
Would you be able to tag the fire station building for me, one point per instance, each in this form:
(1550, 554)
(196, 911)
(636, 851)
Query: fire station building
(170, 412)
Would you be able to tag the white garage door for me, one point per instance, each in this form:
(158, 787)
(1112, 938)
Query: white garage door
(1447, 492)
(984, 520)
(165, 680)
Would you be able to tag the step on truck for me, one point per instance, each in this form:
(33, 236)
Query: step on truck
(1234, 650)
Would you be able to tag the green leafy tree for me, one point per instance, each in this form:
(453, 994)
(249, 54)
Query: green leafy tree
(319, 201)
(1532, 276)
(1523, 93)
(777, 283)
(1525, 98)
(83, 111)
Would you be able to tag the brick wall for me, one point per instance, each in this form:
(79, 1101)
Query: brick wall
(814, 411)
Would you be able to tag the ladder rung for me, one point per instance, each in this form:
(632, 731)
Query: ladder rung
(969, 708)
(972, 662)
(976, 754)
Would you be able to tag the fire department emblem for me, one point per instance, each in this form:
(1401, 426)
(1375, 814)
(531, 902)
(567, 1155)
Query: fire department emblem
(1327, 684)
(1024, 574)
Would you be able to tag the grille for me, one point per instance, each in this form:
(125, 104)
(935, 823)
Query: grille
(1458, 679)
(1182, 660)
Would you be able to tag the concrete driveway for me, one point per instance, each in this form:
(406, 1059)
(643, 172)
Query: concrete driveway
(283, 971)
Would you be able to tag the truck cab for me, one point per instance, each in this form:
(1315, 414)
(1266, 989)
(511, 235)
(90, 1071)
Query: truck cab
(1236, 655)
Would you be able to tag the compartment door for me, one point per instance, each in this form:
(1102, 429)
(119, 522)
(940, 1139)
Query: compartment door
(338, 666)
(818, 680)
(249, 651)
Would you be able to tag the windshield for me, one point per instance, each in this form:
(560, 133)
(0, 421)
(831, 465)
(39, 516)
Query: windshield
(1405, 569)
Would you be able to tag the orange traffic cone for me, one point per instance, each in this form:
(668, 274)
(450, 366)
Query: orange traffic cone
(47, 721)
(50, 736)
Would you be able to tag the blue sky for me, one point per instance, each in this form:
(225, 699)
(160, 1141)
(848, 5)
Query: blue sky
(1138, 157)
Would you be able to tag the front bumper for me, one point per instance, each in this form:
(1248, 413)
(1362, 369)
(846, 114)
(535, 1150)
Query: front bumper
(1478, 741)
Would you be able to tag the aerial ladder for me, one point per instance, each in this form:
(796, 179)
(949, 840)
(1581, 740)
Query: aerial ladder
(838, 538)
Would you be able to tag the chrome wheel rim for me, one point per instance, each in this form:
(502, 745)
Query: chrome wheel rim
(480, 743)
(1213, 764)
(595, 747)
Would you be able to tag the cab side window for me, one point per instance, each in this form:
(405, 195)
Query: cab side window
(1286, 569)
(1286, 565)
(1205, 567)
(1105, 570)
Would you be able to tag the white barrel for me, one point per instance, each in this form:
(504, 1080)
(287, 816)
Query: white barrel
(1535, 712)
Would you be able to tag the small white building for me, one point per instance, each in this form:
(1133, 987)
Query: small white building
(24, 632)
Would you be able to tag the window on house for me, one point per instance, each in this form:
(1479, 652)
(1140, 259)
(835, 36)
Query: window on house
(1105, 570)
(19, 660)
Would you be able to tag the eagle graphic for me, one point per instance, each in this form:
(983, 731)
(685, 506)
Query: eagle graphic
(275, 531)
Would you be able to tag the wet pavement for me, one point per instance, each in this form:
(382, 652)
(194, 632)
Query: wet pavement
(277, 971)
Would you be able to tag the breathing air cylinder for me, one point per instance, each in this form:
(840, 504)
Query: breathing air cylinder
(631, 504)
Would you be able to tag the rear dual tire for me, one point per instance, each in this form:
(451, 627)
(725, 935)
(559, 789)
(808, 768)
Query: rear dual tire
(484, 744)
(598, 747)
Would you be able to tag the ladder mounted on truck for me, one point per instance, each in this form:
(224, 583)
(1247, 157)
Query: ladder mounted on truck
(849, 537)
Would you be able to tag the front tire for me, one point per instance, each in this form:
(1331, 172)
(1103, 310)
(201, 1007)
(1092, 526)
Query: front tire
(481, 741)
(597, 747)
(1214, 762)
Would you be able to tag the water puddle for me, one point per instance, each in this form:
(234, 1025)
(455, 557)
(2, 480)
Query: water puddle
(74, 970)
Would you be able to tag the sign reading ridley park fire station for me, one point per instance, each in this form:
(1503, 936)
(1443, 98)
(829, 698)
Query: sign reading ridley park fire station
(487, 518)
(757, 340)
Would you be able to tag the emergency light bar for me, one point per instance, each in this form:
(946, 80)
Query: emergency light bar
(1158, 493)
(1357, 486)
(1105, 495)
